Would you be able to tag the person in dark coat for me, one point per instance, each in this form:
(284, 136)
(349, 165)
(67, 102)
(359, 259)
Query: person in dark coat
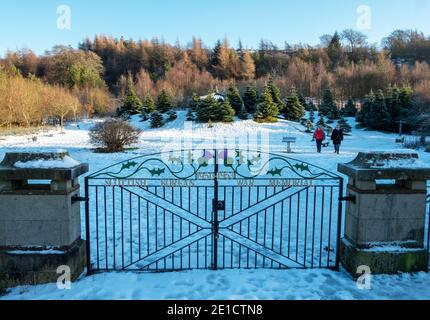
(319, 137)
(337, 138)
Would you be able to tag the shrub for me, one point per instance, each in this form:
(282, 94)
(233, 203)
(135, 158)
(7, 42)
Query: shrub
(114, 135)
(157, 120)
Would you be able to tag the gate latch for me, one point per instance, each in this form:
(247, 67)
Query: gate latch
(77, 198)
(349, 198)
(219, 205)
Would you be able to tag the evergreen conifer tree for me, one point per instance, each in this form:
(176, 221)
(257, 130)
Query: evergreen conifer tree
(363, 114)
(350, 109)
(267, 110)
(243, 113)
(132, 104)
(250, 98)
(190, 115)
(328, 106)
(293, 110)
(157, 120)
(379, 117)
(276, 95)
(194, 103)
(345, 125)
(164, 103)
(172, 115)
(227, 112)
(235, 99)
(321, 122)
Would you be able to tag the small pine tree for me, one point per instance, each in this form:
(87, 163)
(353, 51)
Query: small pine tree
(132, 104)
(321, 122)
(293, 110)
(363, 115)
(208, 109)
(267, 110)
(194, 102)
(344, 125)
(164, 102)
(276, 95)
(149, 105)
(309, 126)
(350, 109)
(157, 120)
(227, 112)
(328, 106)
(235, 99)
(144, 116)
(190, 115)
(379, 118)
(250, 98)
(312, 116)
(172, 116)
(243, 114)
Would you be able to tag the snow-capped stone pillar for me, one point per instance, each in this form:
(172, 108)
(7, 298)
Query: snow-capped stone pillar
(40, 219)
(385, 217)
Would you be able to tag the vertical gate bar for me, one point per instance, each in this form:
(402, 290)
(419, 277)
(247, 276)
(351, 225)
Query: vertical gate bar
(298, 227)
(306, 226)
(281, 227)
(329, 227)
(122, 227)
(215, 215)
(147, 228)
(130, 198)
(289, 228)
(273, 232)
(313, 227)
(339, 225)
(106, 227)
(87, 227)
(97, 228)
(322, 225)
(139, 227)
(113, 228)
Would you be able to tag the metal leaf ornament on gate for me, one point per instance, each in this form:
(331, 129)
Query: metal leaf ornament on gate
(178, 167)
(274, 166)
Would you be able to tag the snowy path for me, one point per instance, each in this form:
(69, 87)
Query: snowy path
(237, 284)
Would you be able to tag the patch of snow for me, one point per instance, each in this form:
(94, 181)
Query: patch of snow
(64, 163)
(42, 252)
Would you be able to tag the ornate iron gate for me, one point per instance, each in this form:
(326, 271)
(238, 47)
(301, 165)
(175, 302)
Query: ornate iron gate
(212, 209)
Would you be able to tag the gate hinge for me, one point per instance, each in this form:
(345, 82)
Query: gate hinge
(349, 198)
(77, 198)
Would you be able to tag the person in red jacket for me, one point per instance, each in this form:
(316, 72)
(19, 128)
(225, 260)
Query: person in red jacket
(319, 137)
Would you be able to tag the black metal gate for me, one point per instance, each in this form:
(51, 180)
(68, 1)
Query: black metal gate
(203, 209)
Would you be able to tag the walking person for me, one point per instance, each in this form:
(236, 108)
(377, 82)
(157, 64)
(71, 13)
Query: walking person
(337, 138)
(319, 137)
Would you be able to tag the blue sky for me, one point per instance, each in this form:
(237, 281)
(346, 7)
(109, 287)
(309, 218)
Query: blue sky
(33, 24)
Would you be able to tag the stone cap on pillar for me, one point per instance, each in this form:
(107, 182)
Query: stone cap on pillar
(57, 166)
(398, 165)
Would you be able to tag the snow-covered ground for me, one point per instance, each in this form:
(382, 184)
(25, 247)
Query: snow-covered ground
(242, 284)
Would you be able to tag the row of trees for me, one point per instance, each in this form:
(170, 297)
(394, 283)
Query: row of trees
(101, 72)
(30, 102)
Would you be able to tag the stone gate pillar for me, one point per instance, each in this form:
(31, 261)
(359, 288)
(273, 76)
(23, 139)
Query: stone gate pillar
(385, 217)
(40, 220)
